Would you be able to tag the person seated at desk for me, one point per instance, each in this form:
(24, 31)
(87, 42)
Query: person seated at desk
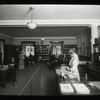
(66, 59)
(74, 62)
(12, 70)
(31, 58)
(26, 61)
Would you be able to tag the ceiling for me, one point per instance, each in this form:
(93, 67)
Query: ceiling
(46, 12)
(21, 12)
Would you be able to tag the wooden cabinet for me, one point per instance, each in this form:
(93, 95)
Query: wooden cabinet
(9, 52)
(43, 52)
(96, 56)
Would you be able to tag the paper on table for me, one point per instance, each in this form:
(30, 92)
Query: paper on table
(66, 88)
(81, 88)
(97, 84)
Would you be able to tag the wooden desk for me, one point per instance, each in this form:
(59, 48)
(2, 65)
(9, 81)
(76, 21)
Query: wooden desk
(93, 89)
(3, 74)
(94, 74)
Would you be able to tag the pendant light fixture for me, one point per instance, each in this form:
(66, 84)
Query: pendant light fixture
(31, 25)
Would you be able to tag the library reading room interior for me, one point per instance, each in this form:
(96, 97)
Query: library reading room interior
(49, 49)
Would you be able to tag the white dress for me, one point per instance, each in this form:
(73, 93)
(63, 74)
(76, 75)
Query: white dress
(21, 62)
(74, 62)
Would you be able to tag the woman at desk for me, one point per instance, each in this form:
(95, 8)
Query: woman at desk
(74, 62)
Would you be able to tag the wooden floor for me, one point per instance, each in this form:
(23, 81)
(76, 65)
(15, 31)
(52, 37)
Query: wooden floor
(48, 80)
(44, 83)
(22, 77)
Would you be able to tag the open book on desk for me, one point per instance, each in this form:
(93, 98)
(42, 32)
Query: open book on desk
(81, 88)
(66, 88)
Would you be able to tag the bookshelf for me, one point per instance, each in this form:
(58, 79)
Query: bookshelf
(96, 56)
(68, 47)
(43, 52)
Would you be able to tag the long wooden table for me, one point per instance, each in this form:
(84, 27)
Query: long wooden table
(94, 87)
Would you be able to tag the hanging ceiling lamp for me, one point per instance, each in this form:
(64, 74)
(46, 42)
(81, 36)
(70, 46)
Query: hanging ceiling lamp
(31, 24)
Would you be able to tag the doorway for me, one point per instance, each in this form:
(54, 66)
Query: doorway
(28, 47)
(29, 50)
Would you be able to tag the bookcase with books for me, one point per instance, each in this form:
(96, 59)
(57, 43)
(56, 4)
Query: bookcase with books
(68, 47)
(96, 54)
(43, 52)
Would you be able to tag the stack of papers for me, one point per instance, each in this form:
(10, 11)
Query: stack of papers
(81, 88)
(66, 88)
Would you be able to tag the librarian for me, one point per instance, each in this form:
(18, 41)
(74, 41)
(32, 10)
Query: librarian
(74, 62)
